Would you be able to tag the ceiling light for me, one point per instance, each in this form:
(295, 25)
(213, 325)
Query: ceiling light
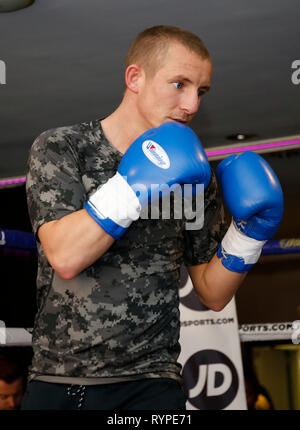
(12, 5)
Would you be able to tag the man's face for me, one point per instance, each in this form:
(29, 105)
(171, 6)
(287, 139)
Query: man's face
(175, 91)
(11, 394)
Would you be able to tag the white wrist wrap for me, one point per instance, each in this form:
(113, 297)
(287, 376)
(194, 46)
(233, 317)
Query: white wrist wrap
(240, 245)
(116, 200)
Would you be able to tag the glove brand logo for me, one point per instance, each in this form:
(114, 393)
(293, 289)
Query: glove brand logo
(2, 72)
(156, 154)
(216, 379)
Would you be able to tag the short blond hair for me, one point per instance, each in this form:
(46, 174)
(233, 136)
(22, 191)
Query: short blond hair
(150, 47)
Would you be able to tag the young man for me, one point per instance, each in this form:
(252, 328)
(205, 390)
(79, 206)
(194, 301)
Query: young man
(106, 332)
(12, 383)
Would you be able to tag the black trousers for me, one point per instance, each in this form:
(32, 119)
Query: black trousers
(144, 394)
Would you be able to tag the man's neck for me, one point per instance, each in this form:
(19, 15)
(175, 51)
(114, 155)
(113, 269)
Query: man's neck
(123, 126)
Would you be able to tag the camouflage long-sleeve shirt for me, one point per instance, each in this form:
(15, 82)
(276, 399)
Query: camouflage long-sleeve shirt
(119, 318)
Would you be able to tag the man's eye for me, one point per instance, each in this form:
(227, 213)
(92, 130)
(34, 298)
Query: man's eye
(178, 84)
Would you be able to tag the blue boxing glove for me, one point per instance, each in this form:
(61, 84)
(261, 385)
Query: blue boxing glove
(254, 197)
(166, 155)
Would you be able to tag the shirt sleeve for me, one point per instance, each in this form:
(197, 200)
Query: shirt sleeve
(201, 245)
(54, 186)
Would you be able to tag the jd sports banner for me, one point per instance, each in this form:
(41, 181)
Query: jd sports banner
(210, 354)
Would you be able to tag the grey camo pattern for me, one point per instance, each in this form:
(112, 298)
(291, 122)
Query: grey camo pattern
(120, 316)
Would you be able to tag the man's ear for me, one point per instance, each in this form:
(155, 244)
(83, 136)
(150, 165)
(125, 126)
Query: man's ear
(133, 76)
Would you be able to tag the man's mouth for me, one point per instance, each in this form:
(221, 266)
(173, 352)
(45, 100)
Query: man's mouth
(182, 121)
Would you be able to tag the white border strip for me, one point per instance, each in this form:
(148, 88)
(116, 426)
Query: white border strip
(247, 333)
(267, 331)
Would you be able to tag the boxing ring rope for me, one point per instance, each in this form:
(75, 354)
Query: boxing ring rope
(17, 239)
(214, 153)
(23, 240)
(260, 147)
(15, 243)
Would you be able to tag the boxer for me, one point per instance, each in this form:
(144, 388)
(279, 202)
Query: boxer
(106, 334)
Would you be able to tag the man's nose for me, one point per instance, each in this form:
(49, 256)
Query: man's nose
(11, 401)
(190, 103)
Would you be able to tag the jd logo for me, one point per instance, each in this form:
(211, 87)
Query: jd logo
(2, 73)
(210, 380)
